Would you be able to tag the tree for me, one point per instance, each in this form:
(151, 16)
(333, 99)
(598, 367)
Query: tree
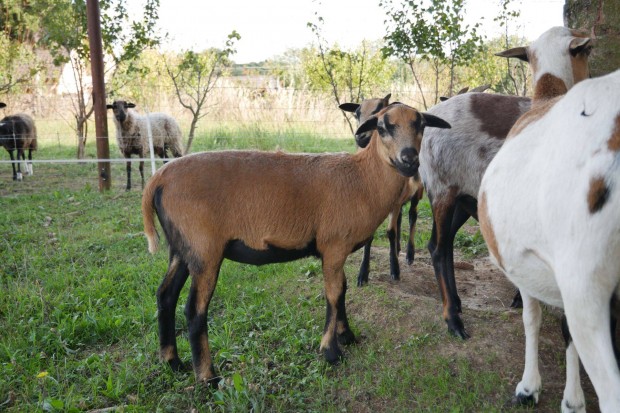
(18, 61)
(431, 31)
(195, 75)
(64, 32)
(352, 74)
(602, 19)
(517, 72)
(486, 68)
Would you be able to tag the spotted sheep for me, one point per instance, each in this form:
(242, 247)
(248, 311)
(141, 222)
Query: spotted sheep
(549, 206)
(266, 207)
(18, 133)
(412, 193)
(132, 135)
(454, 161)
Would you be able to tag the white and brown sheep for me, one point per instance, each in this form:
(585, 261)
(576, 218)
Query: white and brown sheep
(132, 135)
(549, 205)
(412, 193)
(18, 133)
(263, 207)
(454, 161)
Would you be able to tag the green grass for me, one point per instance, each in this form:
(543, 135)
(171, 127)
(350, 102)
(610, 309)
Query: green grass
(79, 322)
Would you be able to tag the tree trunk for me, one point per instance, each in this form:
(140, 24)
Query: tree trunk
(192, 129)
(602, 17)
(81, 138)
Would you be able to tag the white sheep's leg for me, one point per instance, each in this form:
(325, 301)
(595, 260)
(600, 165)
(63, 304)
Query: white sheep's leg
(29, 163)
(528, 389)
(587, 297)
(573, 401)
(20, 162)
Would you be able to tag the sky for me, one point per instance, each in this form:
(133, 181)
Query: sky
(269, 27)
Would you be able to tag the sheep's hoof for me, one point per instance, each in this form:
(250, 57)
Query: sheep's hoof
(410, 255)
(523, 400)
(178, 365)
(395, 275)
(362, 279)
(576, 407)
(212, 382)
(333, 355)
(456, 328)
(19, 176)
(346, 338)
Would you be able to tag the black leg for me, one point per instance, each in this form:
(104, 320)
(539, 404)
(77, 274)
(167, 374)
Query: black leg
(128, 187)
(167, 298)
(362, 277)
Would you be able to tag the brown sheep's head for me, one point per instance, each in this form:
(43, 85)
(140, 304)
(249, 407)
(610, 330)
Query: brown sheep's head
(397, 135)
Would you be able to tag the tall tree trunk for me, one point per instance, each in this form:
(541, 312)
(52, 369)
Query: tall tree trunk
(192, 129)
(603, 18)
(80, 129)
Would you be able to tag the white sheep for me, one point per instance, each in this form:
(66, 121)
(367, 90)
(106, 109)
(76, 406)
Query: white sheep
(412, 193)
(453, 161)
(548, 211)
(132, 135)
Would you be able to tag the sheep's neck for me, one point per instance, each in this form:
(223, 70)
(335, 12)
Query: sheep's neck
(547, 88)
(381, 182)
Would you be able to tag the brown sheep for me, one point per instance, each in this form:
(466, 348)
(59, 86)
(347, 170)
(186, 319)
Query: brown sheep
(263, 207)
(362, 112)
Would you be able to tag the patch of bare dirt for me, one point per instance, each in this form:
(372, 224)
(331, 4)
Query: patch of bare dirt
(497, 338)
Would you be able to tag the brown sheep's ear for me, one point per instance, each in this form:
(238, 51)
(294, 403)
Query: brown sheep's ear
(2, 105)
(349, 107)
(363, 134)
(130, 105)
(369, 125)
(108, 106)
(435, 122)
(518, 52)
(386, 99)
(443, 98)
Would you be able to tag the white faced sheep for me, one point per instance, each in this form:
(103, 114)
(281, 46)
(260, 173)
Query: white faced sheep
(549, 205)
(262, 207)
(454, 161)
(19, 133)
(413, 192)
(132, 135)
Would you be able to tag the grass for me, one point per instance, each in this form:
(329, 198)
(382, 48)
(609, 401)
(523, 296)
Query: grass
(79, 321)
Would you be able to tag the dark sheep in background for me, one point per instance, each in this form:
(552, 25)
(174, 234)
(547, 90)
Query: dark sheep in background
(18, 133)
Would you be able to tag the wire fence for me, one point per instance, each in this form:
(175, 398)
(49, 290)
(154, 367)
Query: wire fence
(259, 113)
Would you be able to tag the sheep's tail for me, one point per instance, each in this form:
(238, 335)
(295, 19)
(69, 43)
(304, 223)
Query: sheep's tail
(148, 212)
